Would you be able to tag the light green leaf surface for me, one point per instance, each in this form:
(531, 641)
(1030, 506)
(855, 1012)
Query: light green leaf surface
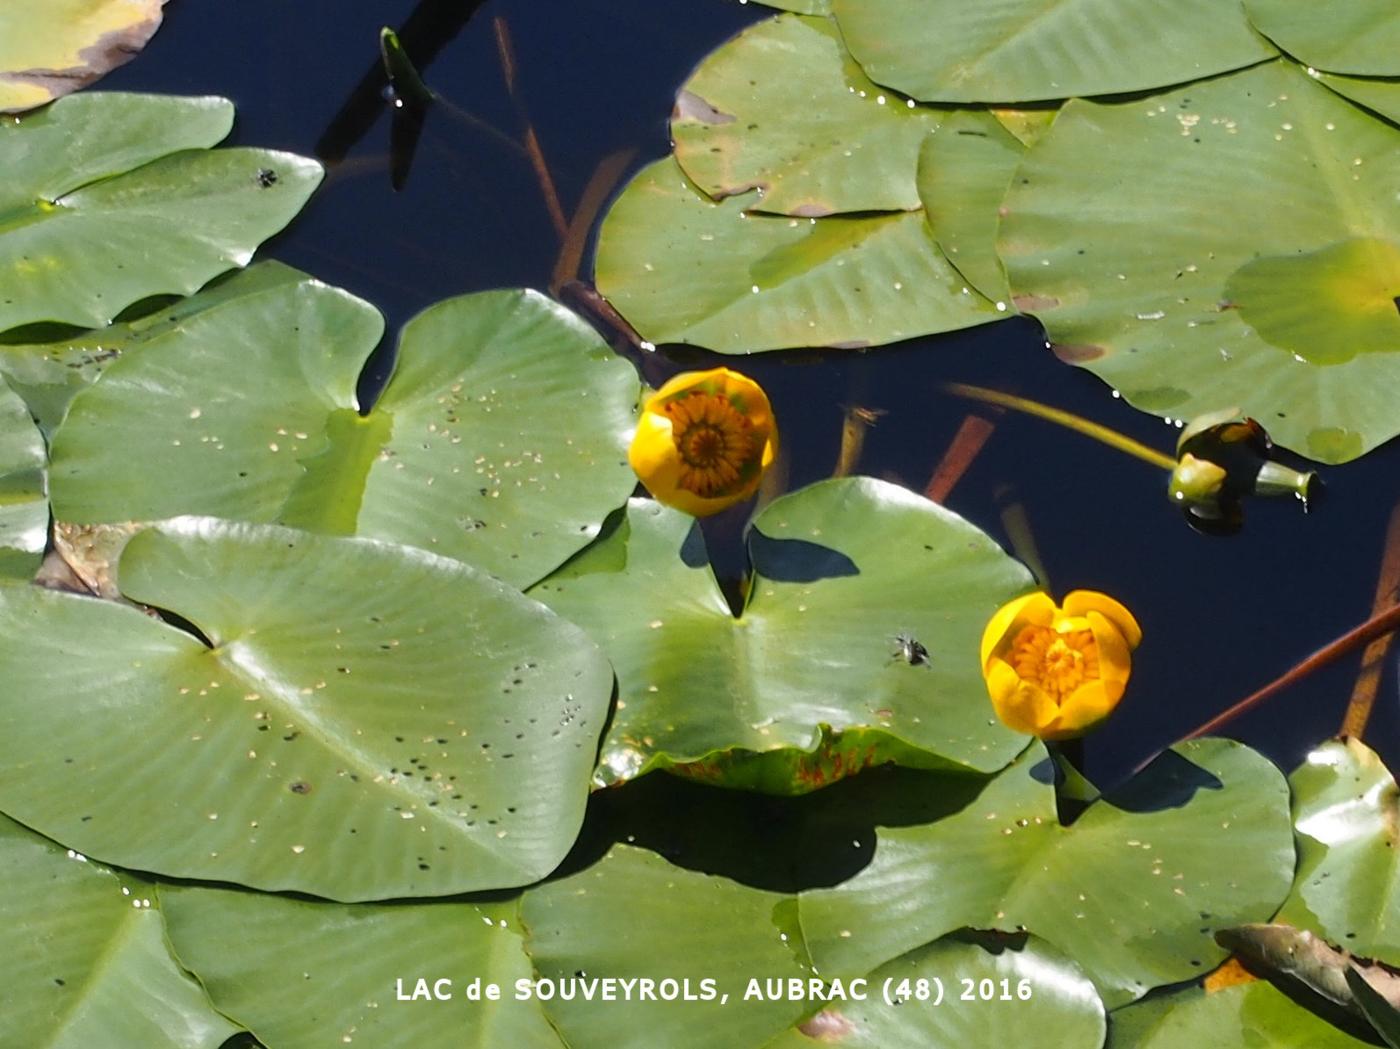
(1132, 890)
(840, 570)
(24, 504)
(683, 268)
(48, 375)
(783, 108)
(1028, 50)
(1245, 1016)
(1383, 96)
(110, 198)
(965, 168)
(1114, 237)
(632, 916)
(370, 721)
(51, 47)
(301, 975)
(1018, 992)
(1346, 811)
(500, 440)
(83, 957)
(1359, 36)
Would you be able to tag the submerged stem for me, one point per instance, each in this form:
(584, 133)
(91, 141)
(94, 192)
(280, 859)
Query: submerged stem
(1377, 626)
(1069, 420)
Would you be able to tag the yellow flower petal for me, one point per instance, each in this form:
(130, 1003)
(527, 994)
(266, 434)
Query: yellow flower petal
(1034, 608)
(1082, 602)
(1019, 705)
(1057, 672)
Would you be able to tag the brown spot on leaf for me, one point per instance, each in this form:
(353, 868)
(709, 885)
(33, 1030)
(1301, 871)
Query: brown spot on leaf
(690, 106)
(1076, 353)
(101, 56)
(1031, 303)
(827, 1026)
(812, 210)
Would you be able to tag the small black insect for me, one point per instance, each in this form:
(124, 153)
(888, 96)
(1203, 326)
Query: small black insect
(911, 650)
(266, 178)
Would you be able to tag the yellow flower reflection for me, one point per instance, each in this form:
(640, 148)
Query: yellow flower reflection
(704, 440)
(1057, 672)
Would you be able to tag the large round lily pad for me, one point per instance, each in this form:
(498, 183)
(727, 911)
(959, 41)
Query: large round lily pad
(1359, 36)
(24, 504)
(981, 991)
(683, 268)
(631, 917)
(782, 108)
(1132, 890)
(808, 684)
(51, 47)
(1026, 50)
(110, 198)
(349, 964)
(1113, 236)
(84, 960)
(500, 440)
(1346, 810)
(366, 720)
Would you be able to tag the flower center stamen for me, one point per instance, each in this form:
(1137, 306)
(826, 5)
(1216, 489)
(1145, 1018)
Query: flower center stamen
(1056, 662)
(715, 441)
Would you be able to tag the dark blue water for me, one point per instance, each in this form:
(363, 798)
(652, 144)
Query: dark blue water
(1221, 616)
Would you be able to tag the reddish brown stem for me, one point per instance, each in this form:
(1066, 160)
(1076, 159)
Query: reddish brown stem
(1363, 695)
(531, 141)
(1376, 626)
(967, 442)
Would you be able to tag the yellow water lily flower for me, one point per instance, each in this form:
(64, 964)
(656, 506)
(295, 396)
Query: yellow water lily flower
(1056, 672)
(704, 440)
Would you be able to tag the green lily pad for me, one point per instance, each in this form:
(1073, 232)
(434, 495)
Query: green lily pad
(366, 720)
(349, 964)
(965, 168)
(1244, 1016)
(1360, 36)
(1132, 890)
(807, 685)
(24, 503)
(1028, 50)
(782, 108)
(683, 268)
(49, 374)
(51, 47)
(84, 960)
(701, 941)
(1016, 991)
(1112, 237)
(1346, 811)
(500, 440)
(1381, 96)
(111, 198)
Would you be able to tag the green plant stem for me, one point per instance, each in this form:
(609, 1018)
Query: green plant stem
(1069, 420)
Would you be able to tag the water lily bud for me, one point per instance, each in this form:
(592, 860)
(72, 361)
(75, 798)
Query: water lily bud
(704, 441)
(1223, 457)
(1056, 672)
